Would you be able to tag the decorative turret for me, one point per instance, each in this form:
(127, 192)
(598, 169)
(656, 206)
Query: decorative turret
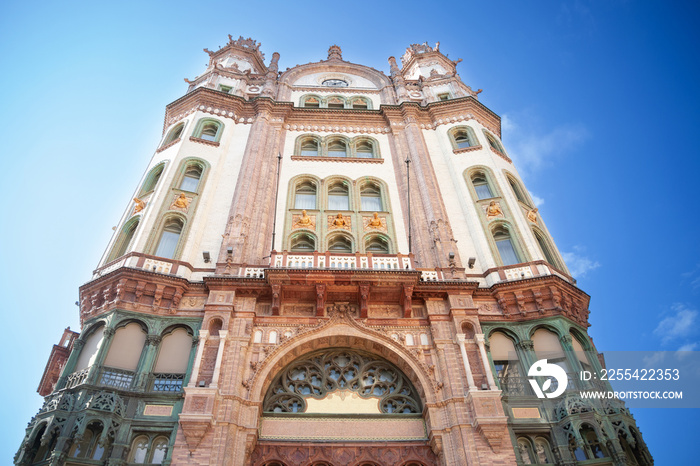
(334, 53)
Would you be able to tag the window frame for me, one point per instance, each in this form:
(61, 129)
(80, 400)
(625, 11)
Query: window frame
(199, 128)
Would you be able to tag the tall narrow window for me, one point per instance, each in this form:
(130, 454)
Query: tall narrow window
(505, 361)
(337, 148)
(546, 250)
(88, 354)
(481, 186)
(547, 346)
(371, 198)
(580, 353)
(595, 448)
(159, 449)
(139, 450)
(338, 197)
(151, 180)
(364, 149)
(506, 249)
(121, 245)
(171, 364)
(190, 181)
(309, 148)
(305, 196)
(169, 238)
(519, 194)
(493, 142)
(173, 134)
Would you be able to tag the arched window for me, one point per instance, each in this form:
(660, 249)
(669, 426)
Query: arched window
(338, 196)
(360, 103)
(88, 445)
(546, 249)
(594, 448)
(309, 147)
(505, 361)
(340, 244)
(581, 354)
(494, 143)
(371, 198)
(337, 148)
(173, 359)
(159, 448)
(174, 134)
(305, 196)
(463, 137)
(139, 450)
(377, 244)
(303, 242)
(481, 186)
(209, 130)
(311, 102)
(123, 356)
(506, 249)
(169, 238)
(190, 181)
(88, 353)
(547, 346)
(336, 102)
(121, 245)
(151, 180)
(364, 149)
(517, 190)
(307, 385)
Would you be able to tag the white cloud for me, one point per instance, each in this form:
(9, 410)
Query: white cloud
(531, 147)
(688, 347)
(537, 200)
(654, 359)
(579, 265)
(679, 325)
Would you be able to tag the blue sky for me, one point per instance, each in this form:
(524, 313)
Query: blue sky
(599, 101)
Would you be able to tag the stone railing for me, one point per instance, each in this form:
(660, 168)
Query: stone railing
(116, 378)
(328, 260)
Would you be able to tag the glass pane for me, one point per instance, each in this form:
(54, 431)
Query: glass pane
(336, 153)
(209, 132)
(159, 451)
(483, 191)
(189, 183)
(463, 142)
(309, 152)
(305, 201)
(167, 244)
(371, 203)
(336, 202)
(140, 450)
(507, 252)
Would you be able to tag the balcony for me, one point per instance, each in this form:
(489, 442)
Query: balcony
(170, 383)
(116, 378)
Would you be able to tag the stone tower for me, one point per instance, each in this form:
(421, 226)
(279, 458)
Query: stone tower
(328, 266)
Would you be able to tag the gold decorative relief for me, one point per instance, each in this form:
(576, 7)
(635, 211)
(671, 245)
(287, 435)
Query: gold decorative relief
(532, 215)
(374, 223)
(140, 205)
(339, 222)
(181, 202)
(303, 221)
(493, 210)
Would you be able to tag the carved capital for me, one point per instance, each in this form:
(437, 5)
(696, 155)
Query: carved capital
(108, 332)
(153, 340)
(79, 343)
(526, 345)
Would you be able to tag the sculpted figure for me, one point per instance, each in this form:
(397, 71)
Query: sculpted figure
(376, 221)
(139, 205)
(493, 210)
(182, 201)
(532, 215)
(339, 221)
(305, 220)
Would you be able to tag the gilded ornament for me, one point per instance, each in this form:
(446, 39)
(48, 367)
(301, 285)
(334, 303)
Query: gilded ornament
(140, 205)
(304, 221)
(181, 202)
(493, 210)
(339, 221)
(532, 215)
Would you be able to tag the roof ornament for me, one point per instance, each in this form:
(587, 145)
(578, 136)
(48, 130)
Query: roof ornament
(334, 53)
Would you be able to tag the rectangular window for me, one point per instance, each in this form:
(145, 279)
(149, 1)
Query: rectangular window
(336, 202)
(371, 203)
(226, 89)
(444, 96)
(305, 201)
(483, 191)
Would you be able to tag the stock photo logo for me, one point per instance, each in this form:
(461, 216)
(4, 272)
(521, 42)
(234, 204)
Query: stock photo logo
(542, 369)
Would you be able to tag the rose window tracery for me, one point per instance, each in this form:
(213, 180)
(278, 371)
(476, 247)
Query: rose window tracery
(343, 370)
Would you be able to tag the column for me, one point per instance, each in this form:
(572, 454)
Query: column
(96, 368)
(485, 360)
(146, 362)
(470, 378)
(203, 334)
(219, 356)
(70, 363)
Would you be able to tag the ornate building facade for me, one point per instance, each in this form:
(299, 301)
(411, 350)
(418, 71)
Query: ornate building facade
(327, 265)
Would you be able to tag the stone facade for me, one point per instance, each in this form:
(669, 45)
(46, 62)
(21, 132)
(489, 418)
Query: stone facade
(327, 265)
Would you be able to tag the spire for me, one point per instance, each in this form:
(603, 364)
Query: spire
(334, 53)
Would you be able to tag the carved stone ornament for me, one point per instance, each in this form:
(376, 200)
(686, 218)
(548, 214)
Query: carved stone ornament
(374, 223)
(303, 221)
(493, 210)
(532, 215)
(181, 203)
(140, 205)
(339, 222)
